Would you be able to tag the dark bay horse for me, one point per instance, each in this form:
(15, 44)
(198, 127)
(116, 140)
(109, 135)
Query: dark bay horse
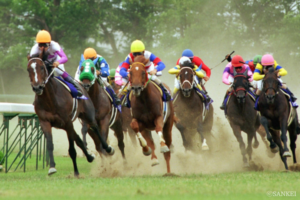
(148, 112)
(105, 111)
(242, 116)
(277, 115)
(54, 106)
(188, 107)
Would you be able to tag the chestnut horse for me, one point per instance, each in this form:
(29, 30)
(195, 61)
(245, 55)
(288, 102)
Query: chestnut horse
(242, 116)
(53, 105)
(188, 107)
(104, 112)
(275, 111)
(148, 112)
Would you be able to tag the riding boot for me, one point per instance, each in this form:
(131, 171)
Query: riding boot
(222, 107)
(168, 96)
(71, 80)
(117, 100)
(293, 98)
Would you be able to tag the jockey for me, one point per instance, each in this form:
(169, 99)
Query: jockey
(198, 74)
(102, 68)
(268, 61)
(153, 66)
(237, 64)
(111, 77)
(199, 64)
(119, 80)
(56, 56)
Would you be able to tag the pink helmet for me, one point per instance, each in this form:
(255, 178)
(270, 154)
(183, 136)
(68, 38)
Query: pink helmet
(267, 60)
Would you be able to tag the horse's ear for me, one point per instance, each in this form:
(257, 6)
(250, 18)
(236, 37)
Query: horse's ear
(146, 61)
(246, 73)
(81, 68)
(41, 55)
(265, 71)
(93, 69)
(234, 72)
(277, 72)
(130, 61)
(28, 57)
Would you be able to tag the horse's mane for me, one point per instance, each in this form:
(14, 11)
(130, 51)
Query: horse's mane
(187, 64)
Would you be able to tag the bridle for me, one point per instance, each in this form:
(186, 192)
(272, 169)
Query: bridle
(240, 88)
(45, 68)
(148, 79)
(187, 81)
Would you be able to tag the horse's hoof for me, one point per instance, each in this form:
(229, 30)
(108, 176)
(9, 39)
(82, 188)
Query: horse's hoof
(246, 165)
(255, 145)
(51, 171)
(154, 162)
(112, 150)
(286, 154)
(205, 147)
(164, 149)
(147, 153)
(90, 157)
(275, 150)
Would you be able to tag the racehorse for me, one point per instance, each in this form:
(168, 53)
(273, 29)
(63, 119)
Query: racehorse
(242, 116)
(106, 114)
(148, 112)
(53, 105)
(126, 116)
(188, 107)
(278, 115)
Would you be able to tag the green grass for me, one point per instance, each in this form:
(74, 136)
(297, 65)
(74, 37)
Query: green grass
(62, 185)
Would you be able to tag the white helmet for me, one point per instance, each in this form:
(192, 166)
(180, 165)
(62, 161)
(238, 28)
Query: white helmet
(184, 59)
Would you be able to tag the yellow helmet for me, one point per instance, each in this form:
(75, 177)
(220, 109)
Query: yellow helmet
(89, 53)
(43, 37)
(137, 46)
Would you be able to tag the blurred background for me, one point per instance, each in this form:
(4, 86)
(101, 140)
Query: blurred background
(211, 28)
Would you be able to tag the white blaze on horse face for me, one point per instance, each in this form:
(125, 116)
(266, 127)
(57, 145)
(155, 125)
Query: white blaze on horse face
(33, 66)
(186, 72)
(136, 68)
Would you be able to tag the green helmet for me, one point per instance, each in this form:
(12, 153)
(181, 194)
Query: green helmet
(87, 70)
(112, 72)
(257, 59)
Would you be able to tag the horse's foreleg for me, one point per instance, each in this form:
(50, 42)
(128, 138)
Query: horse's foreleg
(250, 135)
(168, 136)
(84, 131)
(277, 140)
(203, 140)
(46, 128)
(237, 133)
(117, 127)
(136, 128)
(159, 123)
(148, 136)
(72, 153)
(293, 138)
(264, 122)
(283, 136)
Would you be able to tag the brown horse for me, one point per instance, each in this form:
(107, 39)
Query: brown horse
(242, 116)
(275, 111)
(106, 114)
(126, 116)
(54, 106)
(148, 112)
(188, 107)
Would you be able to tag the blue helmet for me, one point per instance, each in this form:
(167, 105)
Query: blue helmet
(188, 53)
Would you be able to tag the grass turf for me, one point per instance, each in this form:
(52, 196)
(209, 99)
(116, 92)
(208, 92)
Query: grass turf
(62, 185)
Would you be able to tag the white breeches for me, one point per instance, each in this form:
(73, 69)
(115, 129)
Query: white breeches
(58, 72)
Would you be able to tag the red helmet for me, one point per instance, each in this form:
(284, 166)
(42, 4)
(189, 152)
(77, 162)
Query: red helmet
(237, 61)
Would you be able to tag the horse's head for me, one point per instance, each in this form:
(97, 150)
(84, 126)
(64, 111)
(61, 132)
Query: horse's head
(240, 86)
(87, 74)
(271, 85)
(186, 78)
(38, 73)
(138, 74)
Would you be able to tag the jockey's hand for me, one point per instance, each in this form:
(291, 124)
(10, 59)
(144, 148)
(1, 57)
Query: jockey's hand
(98, 73)
(55, 64)
(206, 78)
(153, 72)
(228, 58)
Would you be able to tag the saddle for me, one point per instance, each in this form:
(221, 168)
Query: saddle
(227, 99)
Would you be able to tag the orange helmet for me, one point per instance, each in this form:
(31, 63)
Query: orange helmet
(89, 53)
(43, 37)
(237, 61)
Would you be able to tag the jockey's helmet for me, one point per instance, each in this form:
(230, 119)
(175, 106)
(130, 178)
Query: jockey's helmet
(43, 37)
(237, 61)
(89, 53)
(188, 53)
(137, 46)
(112, 73)
(267, 60)
(257, 59)
(184, 59)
